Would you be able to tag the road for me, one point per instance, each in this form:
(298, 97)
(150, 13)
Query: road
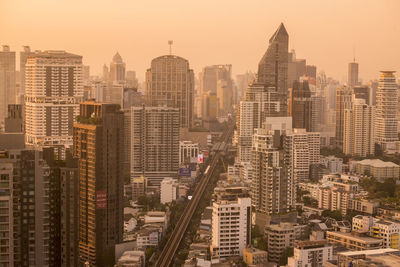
(167, 255)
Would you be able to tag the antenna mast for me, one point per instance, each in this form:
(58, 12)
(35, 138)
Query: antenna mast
(170, 42)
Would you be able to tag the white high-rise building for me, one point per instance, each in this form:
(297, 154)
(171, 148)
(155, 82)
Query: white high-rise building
(386, 109)
(168, 190)
(358, 130)
(231, 227)
(302, 149)
(7, 81)
(53, 91)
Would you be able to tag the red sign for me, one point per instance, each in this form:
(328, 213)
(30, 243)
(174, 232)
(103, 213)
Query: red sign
(101, 199)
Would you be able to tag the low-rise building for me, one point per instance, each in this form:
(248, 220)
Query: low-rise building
(386, 230)
(255, 257)
(135, 258)
(376, 168)
(365, 206)
(354, 240)
(369, 258)
(332, 163)
(310, 253)
(279, 237)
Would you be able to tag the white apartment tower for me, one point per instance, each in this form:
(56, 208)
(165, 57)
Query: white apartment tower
(231, 227)
(302, 149)
(386, 108)
(53, 91)
(168, 190)
(359, 129)
(7, 81)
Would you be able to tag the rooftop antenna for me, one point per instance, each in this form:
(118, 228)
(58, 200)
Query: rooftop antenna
(354, 53)
(170, 42)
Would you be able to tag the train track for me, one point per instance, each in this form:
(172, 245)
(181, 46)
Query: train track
(168, 253)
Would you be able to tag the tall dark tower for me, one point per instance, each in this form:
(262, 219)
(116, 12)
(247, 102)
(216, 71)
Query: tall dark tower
(273, 67)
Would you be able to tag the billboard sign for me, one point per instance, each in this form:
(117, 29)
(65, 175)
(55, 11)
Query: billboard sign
(185, 172)
(101, 199)
(200, 158)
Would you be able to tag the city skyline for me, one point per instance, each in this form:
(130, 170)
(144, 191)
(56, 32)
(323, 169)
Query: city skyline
(327, 35)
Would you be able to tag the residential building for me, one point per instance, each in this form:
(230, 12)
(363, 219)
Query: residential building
(365, 206)
(135, 258)
(170, 82)
(23, 56)
(209, 106)
(14, 123)
(343, 101)
(336, 197)
(255, 257)
(386, 109)
(359, 129)
(352, 74)
(362, 92)
(334, 164)
(300, 107)
(311, 253)
(368, 258)
(6, 214)
(53, 92)
(168, 190)
(231, 227)
(7, 81)
(279, 237)
(272, 192)
(154, 143)
(302, 149)
(376, 168)
(388, 231)
(354, 240)
(98, 141)
(138, 187)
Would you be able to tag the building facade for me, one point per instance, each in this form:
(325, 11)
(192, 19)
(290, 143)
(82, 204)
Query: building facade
(7, 81)
(170, 82)
(98, 141)
(53, 92)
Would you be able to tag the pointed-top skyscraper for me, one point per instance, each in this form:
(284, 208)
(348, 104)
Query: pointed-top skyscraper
(273, 66)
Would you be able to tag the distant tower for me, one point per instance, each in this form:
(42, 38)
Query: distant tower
(7, 81)
(170, 82)
(273, 67)
(301, 106)
(352, 74)
(386, 108)
(117, 69)
(52, 94)
(23, 55)
(343, 101)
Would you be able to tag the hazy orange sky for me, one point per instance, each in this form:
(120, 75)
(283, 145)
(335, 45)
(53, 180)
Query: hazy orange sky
(325, 32)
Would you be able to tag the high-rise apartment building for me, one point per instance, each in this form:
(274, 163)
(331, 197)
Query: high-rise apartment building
(386, 109)
(6, 214)
(170, 82)
(259, 102)
(98, 141)
(279, 237)
(363, 92)
(231, 227)
(343, 101)
(7, 81)
(154, 143)
(270, 186)
(300, 107)
(30, 193)
(23, 56)
(209, 109)
(52, 95)
(352, 75)
(302, 149)
(359, 129)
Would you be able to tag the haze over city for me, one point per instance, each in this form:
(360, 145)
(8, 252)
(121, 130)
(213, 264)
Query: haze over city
(199, 133)
(327, 33)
